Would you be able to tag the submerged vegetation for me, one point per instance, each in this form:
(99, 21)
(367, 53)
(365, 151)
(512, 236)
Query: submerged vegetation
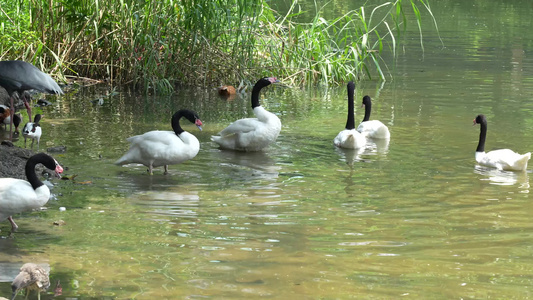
(157, 44)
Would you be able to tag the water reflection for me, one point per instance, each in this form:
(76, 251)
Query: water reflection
(377, 146)
(243, 166)
(500, 177)
(177, 203)
(372, 147)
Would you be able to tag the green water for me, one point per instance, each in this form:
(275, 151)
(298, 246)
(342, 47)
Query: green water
(415, 218)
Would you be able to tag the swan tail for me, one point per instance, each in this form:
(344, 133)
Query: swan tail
(126, 158)
(383, 133)
(521, 163)
(121, 161)
(225, 142)
(350, 139)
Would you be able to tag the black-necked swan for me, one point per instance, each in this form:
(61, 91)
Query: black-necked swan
(162, 148)
(350, 138)
(372, 128)
(251, 134)
(502, 159)
(17, 195)
(33, 131)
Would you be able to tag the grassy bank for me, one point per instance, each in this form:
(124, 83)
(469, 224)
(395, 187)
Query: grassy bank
(158, 44)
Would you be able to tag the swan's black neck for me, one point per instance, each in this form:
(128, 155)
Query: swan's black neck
(261, 83)
(482, 134)
(188, 114)
(42, 158)
(255, 95)
(37, 119)
(350, 122)
(368, 107)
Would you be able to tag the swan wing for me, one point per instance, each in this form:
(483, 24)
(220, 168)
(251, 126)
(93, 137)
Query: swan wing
(241, 126)
(152, 146)
(350, 139)
(504, 159)
(248, 134)
(155, 136)
(374, 129)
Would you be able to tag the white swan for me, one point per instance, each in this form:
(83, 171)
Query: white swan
(349, 138)
(33, 131)
(162, 148)
(502, 159)
(17, 195)
(374, 128)
(251, 134)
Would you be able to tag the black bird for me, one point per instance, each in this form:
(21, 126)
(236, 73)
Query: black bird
(19, 76)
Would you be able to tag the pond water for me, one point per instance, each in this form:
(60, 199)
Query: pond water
(416, 218)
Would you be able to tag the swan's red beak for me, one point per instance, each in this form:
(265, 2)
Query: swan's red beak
(198, 124)
(474, 123)
(273, 79)
(58, 170)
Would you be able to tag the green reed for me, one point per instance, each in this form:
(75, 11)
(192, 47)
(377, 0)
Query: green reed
(156, 45)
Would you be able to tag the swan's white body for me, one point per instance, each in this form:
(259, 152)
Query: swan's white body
(17, 195)
(374, 129)
(160, 148)
(250, 134)
(349, 139)
(503, 159)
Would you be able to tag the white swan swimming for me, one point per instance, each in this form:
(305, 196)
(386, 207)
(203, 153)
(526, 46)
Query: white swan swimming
(502, 159)
(350, 138)
(372, 128)
(251, 134)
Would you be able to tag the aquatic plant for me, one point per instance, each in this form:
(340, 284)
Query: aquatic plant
(158, 44)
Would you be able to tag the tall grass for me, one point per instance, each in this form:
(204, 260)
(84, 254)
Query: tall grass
(156, 45)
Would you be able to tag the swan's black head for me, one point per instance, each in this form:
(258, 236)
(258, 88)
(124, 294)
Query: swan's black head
(47, 161)
(480, 119)
(351, 90)
(37, 119)
(367, 100)
(190, 115)
(351, 85)
(261, 83)
(266, 81)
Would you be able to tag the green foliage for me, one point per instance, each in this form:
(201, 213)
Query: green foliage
(157, 44)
